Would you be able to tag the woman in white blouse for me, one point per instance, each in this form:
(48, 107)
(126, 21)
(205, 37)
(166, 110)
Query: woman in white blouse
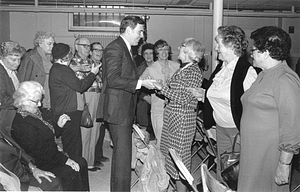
(231, 78)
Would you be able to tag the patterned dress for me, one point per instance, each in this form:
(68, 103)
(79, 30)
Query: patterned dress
(180, 116)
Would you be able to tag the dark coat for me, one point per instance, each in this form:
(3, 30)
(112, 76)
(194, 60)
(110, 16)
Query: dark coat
(63, 85)
(32, 68)
(7, 89)
(38, 141)
(120, 80)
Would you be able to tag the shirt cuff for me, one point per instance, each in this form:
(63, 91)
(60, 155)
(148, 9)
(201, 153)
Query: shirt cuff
(139, 84)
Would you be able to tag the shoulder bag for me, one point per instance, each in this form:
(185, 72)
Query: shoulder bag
(230, 166)
(86, 118)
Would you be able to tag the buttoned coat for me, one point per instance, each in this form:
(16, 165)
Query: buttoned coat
(31, 67)
(120, 80)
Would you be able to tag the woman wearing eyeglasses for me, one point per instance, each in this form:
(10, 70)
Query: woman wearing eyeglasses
(36, 136)
(36, 63)
(162, 69)
(270, 133)
(181, 109)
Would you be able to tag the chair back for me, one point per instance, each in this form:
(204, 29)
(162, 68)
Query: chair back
(211, 184)
(182, 168)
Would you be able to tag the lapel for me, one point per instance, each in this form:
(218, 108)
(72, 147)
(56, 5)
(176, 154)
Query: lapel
(127, 53)
(10, 88)
(37, 59)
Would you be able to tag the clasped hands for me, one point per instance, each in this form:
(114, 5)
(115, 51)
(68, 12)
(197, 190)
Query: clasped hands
(152, 84)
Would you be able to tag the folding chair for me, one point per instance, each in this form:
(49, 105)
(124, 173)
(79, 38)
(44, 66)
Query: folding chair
(211, 184)
(208, 150)
(182, 168)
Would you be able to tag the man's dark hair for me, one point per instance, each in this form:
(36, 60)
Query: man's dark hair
(130, 21)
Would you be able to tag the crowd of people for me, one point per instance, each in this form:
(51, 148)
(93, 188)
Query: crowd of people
(43, 90)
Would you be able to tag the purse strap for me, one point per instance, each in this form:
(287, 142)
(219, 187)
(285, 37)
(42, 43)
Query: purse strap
(234, 142)
(84, 99)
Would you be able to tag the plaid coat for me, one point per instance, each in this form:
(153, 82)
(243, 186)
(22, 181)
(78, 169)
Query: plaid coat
(180, 116)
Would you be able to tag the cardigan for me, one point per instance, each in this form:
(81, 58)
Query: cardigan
(236, 91)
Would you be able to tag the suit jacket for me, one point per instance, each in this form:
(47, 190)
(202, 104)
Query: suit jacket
(32, 68)
(118, 98)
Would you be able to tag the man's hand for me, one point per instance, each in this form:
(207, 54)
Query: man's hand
(158, 85)
(38, 173)
(95, 69)
(62, 120)
(148, 83)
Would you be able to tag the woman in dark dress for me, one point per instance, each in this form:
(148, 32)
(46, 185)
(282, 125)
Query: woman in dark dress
(36, 136)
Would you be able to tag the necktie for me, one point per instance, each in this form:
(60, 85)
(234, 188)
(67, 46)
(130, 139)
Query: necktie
(131, 53)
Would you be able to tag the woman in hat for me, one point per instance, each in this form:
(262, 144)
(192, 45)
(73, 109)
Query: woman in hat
(63, 85)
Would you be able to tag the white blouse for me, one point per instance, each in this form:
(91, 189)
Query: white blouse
(219, 93)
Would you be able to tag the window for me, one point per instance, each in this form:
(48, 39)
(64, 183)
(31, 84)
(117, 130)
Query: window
(105, 22)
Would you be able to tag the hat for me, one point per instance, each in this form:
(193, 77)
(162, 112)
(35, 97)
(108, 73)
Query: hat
(60, 50)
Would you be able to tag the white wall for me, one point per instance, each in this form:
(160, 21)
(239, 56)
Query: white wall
(173, 29)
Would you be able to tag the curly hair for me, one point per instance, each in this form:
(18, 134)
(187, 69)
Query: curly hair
(10, 48)
(233, 36)
(40, 36)
(147, 46)
(272, 39)
(28, 90)
(194, 49)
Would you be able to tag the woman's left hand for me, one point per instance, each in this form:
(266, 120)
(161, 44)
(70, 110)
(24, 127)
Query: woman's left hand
(62, 120)
(282, 174)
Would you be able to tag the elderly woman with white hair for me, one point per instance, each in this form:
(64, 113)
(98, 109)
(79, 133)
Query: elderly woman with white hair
(36, 136)
(10, 57)
(181, 110)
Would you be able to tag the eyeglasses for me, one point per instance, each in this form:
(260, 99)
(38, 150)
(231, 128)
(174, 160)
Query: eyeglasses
(181, 46)
(98, 50)
(36, 102)
(253, 49)
(163, 49)
(86, 46)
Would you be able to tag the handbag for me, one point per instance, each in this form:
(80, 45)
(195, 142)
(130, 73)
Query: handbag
(86, 118)
(230, 166)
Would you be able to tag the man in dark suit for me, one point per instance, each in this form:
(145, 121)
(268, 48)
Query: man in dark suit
(118, 98)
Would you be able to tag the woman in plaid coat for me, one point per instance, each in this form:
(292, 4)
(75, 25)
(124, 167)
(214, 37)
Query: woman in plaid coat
(181, 110)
